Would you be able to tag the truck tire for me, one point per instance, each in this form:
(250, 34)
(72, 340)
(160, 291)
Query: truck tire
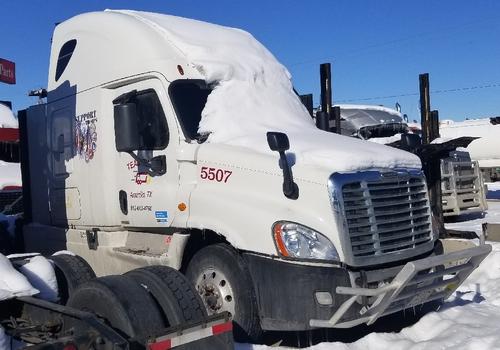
(173, 292)
(71, 271)
(223, 281)
(121, 302)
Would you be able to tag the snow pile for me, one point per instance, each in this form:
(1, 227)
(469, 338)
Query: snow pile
(34, 278)
(41, 275)
(7, 118)
(12, 283)
(10, 174)
(253, 94)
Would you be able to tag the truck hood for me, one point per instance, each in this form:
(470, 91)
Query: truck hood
(314, 155)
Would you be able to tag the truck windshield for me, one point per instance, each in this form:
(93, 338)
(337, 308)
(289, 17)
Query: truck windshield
(189, 98)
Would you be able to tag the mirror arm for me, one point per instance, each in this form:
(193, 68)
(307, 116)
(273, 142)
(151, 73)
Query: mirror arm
(290, 188)
(152, 170)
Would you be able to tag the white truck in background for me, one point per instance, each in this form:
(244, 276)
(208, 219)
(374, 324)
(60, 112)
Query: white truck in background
(486, 149)
(462, 184)
(169, 141)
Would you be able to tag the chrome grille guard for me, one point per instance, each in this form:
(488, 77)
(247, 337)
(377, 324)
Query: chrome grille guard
(417, 282)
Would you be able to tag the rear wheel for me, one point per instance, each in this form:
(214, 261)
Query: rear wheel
(173, 292)
(71, 271)
(121, 302)
(223, 282)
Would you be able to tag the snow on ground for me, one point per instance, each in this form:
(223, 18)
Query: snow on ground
(470, 319)
(13, 283)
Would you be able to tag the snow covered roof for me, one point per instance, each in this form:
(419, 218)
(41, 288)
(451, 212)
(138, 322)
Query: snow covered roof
(371, 108)
(7, 118)
(253, 92)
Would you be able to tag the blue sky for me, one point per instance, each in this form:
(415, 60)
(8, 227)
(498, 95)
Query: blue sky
(377, 48)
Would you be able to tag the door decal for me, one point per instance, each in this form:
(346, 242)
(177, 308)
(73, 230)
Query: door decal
(86, 135)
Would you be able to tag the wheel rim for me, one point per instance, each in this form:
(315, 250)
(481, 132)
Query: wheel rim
(215, 291)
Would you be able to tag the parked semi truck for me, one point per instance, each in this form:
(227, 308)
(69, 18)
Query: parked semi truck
(486, 149)
(169, 141)
(462, 185)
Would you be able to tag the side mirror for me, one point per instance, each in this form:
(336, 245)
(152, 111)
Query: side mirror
(127, 137)
(278, 141)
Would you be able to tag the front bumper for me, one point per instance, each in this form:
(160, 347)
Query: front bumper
(287, 292)
(418, 282)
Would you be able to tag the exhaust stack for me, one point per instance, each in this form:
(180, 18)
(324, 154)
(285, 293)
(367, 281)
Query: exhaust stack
(325, 75)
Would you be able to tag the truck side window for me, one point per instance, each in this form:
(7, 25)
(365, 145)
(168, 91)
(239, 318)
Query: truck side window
(189, 98)
(153, 126)
(64, 56)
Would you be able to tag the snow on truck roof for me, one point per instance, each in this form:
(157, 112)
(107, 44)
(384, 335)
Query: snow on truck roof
(252, 94)
(371, 108)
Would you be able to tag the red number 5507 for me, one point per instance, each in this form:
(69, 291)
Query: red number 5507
(214, 174)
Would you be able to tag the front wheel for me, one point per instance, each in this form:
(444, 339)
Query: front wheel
(223, 282)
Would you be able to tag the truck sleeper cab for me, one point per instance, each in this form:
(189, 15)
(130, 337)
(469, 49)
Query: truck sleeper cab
(124, 173)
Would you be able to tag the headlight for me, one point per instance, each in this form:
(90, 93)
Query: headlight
(297, 241)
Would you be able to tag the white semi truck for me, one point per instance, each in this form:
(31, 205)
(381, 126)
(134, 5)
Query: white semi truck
(486, 149)
(169, 141)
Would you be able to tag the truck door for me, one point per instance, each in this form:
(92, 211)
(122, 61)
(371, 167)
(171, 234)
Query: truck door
(147, 199)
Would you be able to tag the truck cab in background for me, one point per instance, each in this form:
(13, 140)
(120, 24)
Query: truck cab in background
(158, 148)
(462, 185)
(486, 149)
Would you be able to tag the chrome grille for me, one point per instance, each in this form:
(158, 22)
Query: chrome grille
(386, 214)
